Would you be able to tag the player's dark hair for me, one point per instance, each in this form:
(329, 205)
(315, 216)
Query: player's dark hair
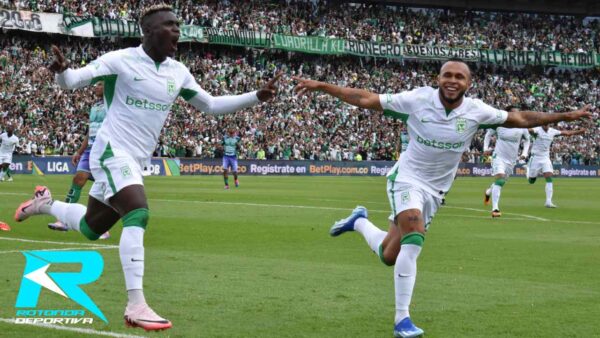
(147, 12)
(457, 59)
(510, 107)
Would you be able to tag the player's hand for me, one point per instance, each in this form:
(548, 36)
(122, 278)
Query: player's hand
(269, 91)
(582, 113)
(305, 85)
(75, 159)
(59, 64)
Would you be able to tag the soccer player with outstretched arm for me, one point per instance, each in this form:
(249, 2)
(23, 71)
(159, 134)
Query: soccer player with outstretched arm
(539, 161)
(140, 86)
(441, 124)
(506, 154)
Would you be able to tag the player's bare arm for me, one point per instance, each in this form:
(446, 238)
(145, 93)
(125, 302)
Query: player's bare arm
(529, 119)
(356, 97)
(572, 132)
(77, 156)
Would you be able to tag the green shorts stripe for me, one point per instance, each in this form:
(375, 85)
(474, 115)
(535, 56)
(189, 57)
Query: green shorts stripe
(108, 153)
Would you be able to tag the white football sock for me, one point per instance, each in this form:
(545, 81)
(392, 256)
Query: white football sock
(68, 213)
(549, 191)
(488, 191)
(496, 189)
(405, 275)
(372, 234)
(131, 251)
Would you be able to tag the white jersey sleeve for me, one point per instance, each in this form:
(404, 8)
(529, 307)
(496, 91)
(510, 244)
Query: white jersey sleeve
(488, 138)
(203, 101)
(404, 104)
(554, 132)
(488, 116)
(93, 72)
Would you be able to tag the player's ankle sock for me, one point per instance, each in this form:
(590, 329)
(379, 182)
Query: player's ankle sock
(73, 194)
(549, 191)
(136, 296)
(70, 214)
(405, 272)
(496, 196)
(372, 234)
(226, 180)
(131, 248)
(8, 173)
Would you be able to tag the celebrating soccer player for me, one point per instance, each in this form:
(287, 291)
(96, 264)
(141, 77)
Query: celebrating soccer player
(441, 124)
(8, 143)
(506, 154)
(140, 86)
(540, 156)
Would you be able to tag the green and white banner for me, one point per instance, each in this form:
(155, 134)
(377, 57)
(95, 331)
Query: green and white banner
(101, 27)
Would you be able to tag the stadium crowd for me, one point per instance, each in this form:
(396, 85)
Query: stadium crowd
(372, 22)
(52, 121)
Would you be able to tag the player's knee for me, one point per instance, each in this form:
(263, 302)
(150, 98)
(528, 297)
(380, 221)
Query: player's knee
(548, 179)
(532, 180)
(138, 217)
(414, 238)
(85, 229)
(79, 180)
(500, 182)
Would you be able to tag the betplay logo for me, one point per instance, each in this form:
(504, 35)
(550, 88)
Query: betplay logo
(65, 284)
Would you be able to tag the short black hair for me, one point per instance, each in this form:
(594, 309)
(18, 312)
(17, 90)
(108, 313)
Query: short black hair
(457, 59)
(510, 107)
(151, 10)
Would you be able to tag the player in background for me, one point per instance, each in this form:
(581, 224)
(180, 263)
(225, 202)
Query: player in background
(8, 143)
(82, 157)
(140, 86)
(230, 149)
(441, 124)
(506, 154)
(540, 156)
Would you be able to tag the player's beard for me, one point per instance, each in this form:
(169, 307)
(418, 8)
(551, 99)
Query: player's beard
(453, 101)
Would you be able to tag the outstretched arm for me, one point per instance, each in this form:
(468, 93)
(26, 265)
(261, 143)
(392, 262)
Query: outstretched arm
(572, 132)
(68, 78)
(356, 97)
(529, 119)
(218, 105)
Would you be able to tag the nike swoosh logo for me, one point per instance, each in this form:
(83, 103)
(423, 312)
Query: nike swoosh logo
(138, 79)
(25, 208)
(137, 260)
(425, 121)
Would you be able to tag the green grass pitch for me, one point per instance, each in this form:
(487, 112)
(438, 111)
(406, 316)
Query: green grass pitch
(257, 261)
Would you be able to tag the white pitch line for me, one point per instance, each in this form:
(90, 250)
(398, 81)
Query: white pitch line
(73, 329)
(61, 249)
(59, 243)
(521, 216)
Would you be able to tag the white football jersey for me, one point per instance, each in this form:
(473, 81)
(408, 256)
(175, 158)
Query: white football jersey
(542, 140)
(138, 95)
(8, 144)
(437, 138)
(508, 141)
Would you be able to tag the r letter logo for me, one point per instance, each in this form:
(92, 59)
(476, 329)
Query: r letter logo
(65, 284)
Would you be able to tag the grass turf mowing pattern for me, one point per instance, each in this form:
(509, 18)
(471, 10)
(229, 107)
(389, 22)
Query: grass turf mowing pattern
(257, 261)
